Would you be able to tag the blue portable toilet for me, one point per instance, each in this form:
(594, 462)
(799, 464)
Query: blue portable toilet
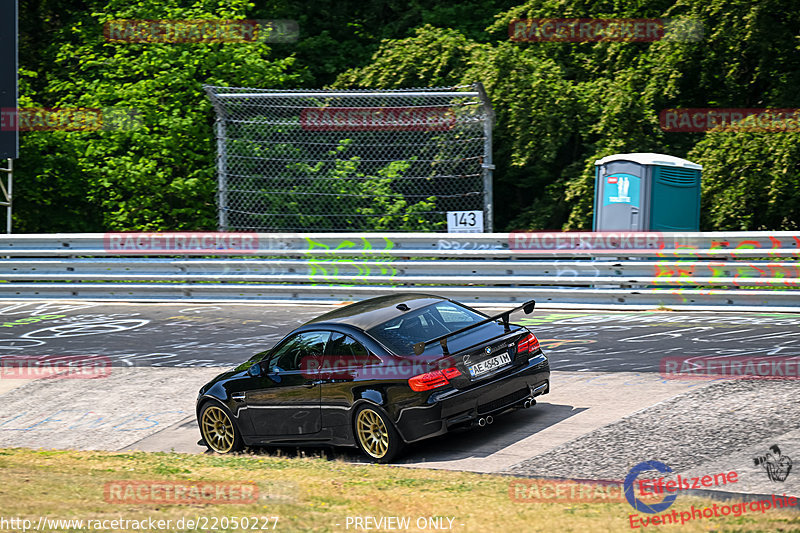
(646, 192)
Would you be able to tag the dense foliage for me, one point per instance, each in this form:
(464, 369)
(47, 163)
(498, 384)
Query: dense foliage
(559, 106)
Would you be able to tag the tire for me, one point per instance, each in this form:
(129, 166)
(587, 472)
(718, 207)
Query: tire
(375, 435)
(218, 429)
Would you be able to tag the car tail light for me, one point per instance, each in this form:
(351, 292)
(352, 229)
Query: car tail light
(433, 380)
(451, 372)
(529, 343)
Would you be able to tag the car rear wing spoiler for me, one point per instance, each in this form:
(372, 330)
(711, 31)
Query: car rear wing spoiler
(528, 307)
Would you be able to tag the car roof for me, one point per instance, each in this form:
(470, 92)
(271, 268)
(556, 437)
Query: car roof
(369, 313)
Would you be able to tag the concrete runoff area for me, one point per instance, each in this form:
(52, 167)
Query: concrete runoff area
(580, 402)
(107, 413)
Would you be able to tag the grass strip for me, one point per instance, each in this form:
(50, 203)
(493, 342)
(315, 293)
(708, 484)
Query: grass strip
(315, 494)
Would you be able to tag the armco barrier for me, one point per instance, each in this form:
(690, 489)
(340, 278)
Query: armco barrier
(723, 269)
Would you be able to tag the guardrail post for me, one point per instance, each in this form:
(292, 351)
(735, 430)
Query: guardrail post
(8, 192)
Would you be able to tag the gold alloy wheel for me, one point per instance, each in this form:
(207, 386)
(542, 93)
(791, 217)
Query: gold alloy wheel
(372, 433)
(218, 430)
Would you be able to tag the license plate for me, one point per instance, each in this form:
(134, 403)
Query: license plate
(488, 365)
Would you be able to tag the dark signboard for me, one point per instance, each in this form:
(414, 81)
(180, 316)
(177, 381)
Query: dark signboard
(9, 134)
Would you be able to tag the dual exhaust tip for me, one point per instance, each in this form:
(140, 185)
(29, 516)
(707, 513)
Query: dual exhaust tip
(485, 421)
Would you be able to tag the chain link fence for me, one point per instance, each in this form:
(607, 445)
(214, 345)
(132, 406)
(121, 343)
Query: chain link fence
(396, 160)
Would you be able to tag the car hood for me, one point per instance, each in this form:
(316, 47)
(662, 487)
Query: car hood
(238, 371)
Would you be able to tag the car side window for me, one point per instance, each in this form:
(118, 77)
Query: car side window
(351, 350)
(343, 345)
(291, 354)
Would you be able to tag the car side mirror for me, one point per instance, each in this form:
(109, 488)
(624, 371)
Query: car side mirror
(255, 370)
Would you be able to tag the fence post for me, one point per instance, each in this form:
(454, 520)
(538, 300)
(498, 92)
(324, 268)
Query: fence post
(222, 185)
(487, 165)
(222, 163)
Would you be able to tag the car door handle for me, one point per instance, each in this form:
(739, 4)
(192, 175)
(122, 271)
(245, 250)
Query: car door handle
(239, 396)
(312, 384)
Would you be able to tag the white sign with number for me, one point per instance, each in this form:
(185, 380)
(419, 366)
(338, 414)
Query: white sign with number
(465, 222)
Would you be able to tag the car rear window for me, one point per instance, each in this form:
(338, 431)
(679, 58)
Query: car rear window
(441, 318)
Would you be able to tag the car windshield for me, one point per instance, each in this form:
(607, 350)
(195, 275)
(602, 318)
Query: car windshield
(441, 318)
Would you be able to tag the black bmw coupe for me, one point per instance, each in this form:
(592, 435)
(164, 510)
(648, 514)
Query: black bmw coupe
(377, 374)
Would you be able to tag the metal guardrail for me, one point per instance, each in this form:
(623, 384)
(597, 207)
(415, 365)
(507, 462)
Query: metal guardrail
(721, 269)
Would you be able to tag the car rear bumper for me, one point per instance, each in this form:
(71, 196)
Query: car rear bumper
(451, 408)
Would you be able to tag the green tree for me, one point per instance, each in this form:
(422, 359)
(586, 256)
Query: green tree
(157, 171)
(750, 180)
(561, 105)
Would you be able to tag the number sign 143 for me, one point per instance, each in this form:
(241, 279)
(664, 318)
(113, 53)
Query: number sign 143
(465, 222)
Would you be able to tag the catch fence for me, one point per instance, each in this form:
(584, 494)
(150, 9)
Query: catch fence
(314, 161)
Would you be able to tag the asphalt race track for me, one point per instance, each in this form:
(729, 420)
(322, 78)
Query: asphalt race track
(610, 408)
